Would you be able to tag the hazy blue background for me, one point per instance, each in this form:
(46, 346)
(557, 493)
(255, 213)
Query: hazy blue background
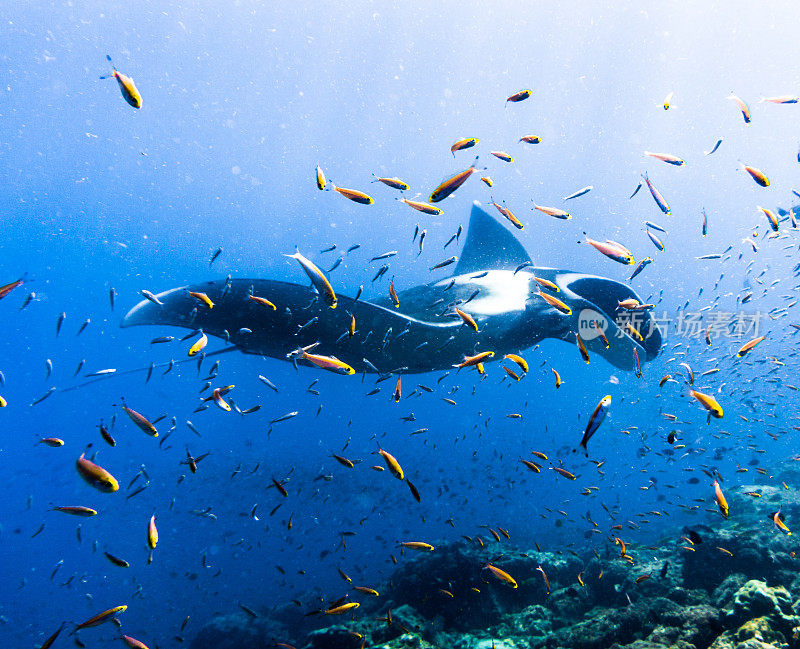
(239, 105)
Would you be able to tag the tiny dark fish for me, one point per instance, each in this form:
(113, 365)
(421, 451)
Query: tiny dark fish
(635, 191)
(31, 297)
(524, 264)
(216, 254)
(336, 264)
(385, 255)
(288, 415)
(381, 272)
(267, 382)
(444, 263)
(60, 322)
(162, 339)
(44, 396)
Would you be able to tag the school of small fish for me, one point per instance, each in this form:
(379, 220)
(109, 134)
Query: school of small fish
(717, 388)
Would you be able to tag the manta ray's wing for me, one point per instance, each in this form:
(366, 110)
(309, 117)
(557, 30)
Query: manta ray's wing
(595, 303)
(384, 336)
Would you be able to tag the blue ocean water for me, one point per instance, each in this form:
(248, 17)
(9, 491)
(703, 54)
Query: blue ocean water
(240, 104)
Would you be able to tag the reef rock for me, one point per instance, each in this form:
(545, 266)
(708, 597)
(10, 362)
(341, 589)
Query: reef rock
(240, 631)
(755, 599)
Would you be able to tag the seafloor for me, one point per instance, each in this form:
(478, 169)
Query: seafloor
(731, 584)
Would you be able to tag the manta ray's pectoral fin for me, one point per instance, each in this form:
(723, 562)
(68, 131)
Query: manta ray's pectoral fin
(595, 307)
(385, 337)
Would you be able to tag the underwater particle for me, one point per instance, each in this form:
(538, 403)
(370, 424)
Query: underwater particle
(126, 86)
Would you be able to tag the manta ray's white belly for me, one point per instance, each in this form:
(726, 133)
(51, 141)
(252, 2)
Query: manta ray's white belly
(500, 291)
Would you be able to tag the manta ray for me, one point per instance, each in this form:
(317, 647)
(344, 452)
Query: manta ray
(494, 281)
